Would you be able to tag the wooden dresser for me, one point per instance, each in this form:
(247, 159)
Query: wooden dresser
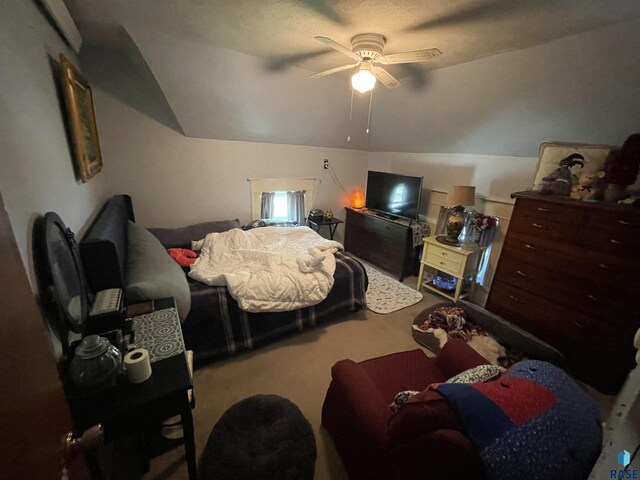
(385, 243)
(569, 273)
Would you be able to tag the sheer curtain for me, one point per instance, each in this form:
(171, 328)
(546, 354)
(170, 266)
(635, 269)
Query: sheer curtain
(266, 204)
(295, 206)
(486, 238)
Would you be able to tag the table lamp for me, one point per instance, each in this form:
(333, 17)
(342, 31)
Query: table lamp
(457, 198)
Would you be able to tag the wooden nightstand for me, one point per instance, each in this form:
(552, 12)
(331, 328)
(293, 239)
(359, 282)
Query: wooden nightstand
(462, 264)
(127, 409)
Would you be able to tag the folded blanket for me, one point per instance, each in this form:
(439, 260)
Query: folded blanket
(532, 423)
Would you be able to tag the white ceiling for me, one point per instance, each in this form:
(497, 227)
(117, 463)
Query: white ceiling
(463, 30)
(189, 47)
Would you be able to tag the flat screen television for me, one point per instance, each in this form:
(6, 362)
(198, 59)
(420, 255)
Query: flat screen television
(393, 195)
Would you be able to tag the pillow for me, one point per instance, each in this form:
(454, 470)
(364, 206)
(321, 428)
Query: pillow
(152, 273)
(182, 237)
(479, 374)
(551, 153)
(265, 222)
(422, 413)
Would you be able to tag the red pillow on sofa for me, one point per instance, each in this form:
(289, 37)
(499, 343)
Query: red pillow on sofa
(423, 413)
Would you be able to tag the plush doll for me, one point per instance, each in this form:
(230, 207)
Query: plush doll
(587, 187)
(183, 256)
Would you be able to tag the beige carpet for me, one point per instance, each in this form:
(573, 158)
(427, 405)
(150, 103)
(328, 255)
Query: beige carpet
(299, 368)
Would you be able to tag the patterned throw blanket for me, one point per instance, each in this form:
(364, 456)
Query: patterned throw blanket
(532, 423)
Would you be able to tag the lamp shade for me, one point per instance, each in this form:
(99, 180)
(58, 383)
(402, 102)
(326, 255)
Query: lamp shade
(461, 195)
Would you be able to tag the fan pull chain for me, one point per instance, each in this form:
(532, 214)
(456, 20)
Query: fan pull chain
(366, 141)
(350, 117)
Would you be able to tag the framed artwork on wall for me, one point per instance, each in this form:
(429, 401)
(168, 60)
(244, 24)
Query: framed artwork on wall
(82, 121)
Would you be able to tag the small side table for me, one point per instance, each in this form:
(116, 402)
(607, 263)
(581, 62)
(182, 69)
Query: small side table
(123, 408)
(332, 223)
(451, 259)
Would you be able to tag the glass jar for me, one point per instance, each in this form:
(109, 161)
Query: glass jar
(95, 363)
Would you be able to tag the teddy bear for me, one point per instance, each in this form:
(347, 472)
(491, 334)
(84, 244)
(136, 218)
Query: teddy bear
(587, 187)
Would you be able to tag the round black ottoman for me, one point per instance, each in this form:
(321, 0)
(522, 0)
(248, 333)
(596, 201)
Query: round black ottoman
(260, 438)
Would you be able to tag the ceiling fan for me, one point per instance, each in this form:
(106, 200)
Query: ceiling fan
(367, 50)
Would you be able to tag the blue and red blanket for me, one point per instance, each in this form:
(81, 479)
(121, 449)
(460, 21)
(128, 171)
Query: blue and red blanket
(534, 422)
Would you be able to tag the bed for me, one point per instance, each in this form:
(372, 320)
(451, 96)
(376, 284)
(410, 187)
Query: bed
(214, 327)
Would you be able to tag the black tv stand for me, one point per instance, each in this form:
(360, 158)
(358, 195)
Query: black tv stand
(388, 216)
(382, 240)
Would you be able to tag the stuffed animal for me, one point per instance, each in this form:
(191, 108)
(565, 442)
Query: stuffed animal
(587, 187)
(183, 256)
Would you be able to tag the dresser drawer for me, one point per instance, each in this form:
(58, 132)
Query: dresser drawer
(557, 324)
(546, 220)
(618, 242)
(611, 302)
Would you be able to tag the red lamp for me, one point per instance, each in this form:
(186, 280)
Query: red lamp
(357, 200)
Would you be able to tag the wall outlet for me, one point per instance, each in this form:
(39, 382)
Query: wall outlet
(326, 164)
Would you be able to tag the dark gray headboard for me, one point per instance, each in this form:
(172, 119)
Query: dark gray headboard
(103, 248)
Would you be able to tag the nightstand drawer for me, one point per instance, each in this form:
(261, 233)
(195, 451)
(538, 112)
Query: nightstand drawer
(440, 252)
(445, 264)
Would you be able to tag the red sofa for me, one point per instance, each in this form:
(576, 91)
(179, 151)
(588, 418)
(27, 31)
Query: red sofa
(423, 440)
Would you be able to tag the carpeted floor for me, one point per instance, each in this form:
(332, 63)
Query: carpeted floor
(297, 368)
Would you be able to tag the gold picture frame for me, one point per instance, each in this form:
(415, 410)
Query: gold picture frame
(82, 121)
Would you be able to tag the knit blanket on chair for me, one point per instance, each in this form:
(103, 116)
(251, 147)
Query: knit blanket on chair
(532, 423)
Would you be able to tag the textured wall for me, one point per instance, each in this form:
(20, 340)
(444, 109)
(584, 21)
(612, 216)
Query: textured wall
(36, 172)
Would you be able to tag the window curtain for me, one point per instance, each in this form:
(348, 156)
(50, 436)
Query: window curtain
(295, 206)
(266, 204)
(441, 224)
(485, 240)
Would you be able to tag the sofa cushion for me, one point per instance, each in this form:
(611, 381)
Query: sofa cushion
(183, 236)
(423, 413)
(152, 273)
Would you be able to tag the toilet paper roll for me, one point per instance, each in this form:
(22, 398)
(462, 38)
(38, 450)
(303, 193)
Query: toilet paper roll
(138, 365)
(636, 340)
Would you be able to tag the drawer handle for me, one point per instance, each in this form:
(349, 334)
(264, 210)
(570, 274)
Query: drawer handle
(604, 266)
(537, 225)
(522, 274)
(578, 324)
(615, 242)
(530, 247)
(515, 299)
(444, 254)
(540, 209)
(622, 222)
(592, 298)
(442, 263)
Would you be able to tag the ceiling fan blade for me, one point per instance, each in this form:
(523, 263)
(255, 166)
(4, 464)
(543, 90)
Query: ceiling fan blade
(336, 46)
(411, 57)
(384, 77)
(334, 70)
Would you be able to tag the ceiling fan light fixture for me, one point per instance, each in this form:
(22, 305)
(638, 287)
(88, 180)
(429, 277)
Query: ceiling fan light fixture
(363, 80)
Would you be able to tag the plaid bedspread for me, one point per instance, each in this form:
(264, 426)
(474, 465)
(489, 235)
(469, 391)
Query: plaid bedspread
(216, 327)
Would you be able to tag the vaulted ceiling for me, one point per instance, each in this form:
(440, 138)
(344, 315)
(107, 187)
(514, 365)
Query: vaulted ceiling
(239, 69)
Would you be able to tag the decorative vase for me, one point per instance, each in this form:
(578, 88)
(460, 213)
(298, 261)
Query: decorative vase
(455, 223)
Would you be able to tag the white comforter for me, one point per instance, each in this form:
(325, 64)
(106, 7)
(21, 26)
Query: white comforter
(269, 269)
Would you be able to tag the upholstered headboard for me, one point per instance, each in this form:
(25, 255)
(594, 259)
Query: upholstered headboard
(103, 248)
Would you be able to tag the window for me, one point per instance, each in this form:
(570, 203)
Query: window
(289, 199)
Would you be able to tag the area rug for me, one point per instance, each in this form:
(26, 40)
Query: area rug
(386, 295)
